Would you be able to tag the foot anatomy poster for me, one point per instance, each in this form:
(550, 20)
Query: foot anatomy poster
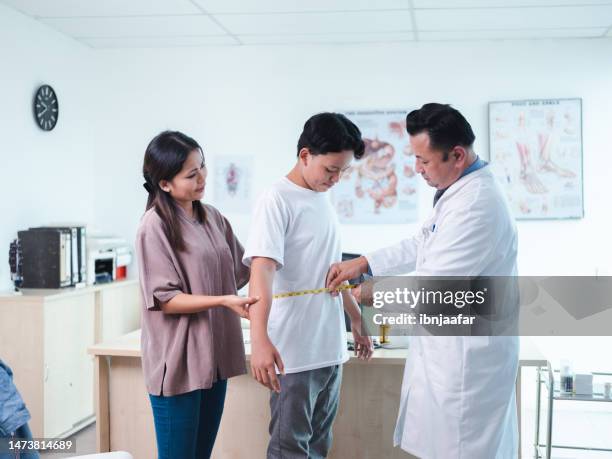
(382, 186)
(536, 153)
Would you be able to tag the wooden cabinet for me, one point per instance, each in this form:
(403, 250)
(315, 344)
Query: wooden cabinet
(68, 329)
(44, 336)
(115, 318)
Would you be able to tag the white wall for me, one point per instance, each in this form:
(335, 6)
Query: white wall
(46, 176)
(254, 101)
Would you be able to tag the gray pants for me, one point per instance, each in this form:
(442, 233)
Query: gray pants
(303, 413)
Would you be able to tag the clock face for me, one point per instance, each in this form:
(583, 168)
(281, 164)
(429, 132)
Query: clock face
(46, 108)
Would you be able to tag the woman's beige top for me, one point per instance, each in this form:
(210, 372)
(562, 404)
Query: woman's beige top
(185, 352)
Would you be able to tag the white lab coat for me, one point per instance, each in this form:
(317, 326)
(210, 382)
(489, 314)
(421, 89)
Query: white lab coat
(458, 397)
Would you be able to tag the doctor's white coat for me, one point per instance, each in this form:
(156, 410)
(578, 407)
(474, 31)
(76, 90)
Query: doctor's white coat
(458, 397)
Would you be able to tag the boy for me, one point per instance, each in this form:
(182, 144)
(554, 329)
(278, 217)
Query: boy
(294, 239)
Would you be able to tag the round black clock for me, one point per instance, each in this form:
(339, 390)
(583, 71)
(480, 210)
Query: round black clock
(46, 108)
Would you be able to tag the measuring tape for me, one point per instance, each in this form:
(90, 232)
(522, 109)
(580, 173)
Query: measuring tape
(312, 292)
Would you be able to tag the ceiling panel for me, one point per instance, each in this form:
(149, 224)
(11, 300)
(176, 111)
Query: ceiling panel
(158, 42)
(176, 23)
(316, 23)
(325, 38)
(153, 26)
(294, 6)
(511, 18)
(510, 34)
(73, 8)
(503, 3)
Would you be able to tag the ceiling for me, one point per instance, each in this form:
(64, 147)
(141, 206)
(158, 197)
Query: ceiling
(187, 23)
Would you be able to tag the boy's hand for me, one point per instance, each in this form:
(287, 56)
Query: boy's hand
(363, 343)
(264, 357)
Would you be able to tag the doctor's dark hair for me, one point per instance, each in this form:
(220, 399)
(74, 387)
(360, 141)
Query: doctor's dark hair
(163, 160)
(330, 133)
(447, 128)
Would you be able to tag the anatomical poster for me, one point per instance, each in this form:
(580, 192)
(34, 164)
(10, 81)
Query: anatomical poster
(232, 182)
(536, 153)
(382, 186)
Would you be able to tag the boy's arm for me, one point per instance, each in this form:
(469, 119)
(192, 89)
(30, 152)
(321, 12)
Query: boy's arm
(363, 342)
(264, 355)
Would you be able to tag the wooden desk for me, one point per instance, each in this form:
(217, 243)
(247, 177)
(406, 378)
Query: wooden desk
(363, 428)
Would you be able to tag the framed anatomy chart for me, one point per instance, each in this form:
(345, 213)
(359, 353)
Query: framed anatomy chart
(382, 186)
(536, 153)
(232, 182)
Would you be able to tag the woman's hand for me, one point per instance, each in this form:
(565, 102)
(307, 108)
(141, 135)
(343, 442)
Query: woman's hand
(239, 304)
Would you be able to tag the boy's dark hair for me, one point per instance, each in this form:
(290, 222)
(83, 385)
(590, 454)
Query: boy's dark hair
(163, 159)
(446, 127)
(330, 133)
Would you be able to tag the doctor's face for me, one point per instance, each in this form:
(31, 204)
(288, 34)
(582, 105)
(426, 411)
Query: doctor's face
(430, 163)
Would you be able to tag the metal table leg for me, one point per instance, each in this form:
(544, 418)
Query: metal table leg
(551, 393)
(536, 453)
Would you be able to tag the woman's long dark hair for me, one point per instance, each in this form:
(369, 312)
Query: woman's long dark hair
(164, 158)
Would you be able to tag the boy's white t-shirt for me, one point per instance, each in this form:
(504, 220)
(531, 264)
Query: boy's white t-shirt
(299, 229)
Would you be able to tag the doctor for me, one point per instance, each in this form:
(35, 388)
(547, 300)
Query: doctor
(458, 399)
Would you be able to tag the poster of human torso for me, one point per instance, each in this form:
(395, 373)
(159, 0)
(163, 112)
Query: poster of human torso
(381, 187)
(536, 153)
(232, 182)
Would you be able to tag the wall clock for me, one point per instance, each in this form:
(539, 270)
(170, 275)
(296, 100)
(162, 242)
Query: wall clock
(46, 107)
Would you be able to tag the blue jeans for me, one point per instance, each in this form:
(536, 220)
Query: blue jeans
(186, 425)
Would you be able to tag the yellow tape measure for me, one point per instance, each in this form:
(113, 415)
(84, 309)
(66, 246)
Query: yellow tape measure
(312, 292)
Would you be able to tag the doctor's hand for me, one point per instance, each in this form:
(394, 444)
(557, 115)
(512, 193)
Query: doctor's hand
(363, 343)
(239, 304)
(264, 357)
(341, 272)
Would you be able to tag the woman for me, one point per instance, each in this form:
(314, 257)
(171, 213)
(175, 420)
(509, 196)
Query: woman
(190, 269)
